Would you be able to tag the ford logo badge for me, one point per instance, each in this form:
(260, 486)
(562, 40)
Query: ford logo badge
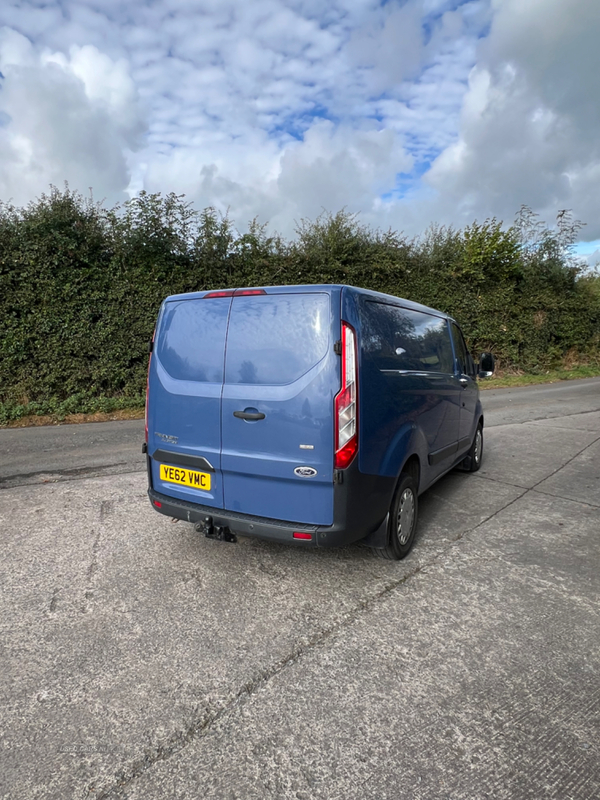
(305, 472)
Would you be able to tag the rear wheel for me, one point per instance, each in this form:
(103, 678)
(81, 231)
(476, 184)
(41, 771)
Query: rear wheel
(403, 520)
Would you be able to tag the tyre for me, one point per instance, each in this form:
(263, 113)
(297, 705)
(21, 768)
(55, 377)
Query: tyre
(403, 520)
(472, 461)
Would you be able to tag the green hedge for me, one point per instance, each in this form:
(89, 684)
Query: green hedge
(80, 287)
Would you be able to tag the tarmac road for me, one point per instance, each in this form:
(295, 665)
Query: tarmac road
(140, 660)
(34, 455)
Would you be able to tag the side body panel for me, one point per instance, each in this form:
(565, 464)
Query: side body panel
(403, 412)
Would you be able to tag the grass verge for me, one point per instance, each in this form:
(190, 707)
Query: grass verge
(81, 407)
(505, 381)
(74, 419)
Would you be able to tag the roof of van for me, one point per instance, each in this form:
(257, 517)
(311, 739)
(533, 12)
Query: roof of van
(316, 287)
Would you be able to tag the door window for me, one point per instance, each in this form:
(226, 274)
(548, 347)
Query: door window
(191, 340)
(275, 339)
(402, 339)
(463, 358)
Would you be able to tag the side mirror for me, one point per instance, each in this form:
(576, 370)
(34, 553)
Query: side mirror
(486, 365)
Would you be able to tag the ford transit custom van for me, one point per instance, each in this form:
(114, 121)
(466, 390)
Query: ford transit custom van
(310, 415)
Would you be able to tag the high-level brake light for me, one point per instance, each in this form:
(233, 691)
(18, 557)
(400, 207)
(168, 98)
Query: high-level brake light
(221, 293)
(234, 293)
(346, 403)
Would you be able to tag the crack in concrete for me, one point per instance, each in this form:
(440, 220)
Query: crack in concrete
(595, 506)
(546, 477)
(54, 600)
(491, 516)
(93, 566)
(497, 480)
(564, 427)
(558, 469)
(531, 489)
(106, 507)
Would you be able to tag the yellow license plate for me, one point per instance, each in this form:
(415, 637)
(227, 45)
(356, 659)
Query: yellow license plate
(185, 477)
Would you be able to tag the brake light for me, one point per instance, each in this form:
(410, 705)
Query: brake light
(346, 403)
(221, 293)
(234, 293)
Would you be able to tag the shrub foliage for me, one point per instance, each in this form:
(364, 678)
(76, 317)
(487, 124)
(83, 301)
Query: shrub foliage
(80, 286)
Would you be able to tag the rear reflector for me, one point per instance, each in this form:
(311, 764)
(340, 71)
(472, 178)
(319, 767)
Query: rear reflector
(298, 535)
(157, 504)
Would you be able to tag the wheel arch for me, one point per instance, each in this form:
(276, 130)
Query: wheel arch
(412, 466)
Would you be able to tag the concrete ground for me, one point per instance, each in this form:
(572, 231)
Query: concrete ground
(140, 660)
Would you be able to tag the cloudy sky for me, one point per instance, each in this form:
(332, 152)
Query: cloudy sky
(407, 111)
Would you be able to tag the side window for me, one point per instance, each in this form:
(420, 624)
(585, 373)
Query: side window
(397, 338)
(462, 355)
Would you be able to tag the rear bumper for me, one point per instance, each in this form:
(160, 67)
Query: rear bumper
(360, 506)
(361, 503)
(243, 524)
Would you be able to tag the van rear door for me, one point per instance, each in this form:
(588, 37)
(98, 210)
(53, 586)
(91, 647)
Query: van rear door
(281, 377)
(184, 410)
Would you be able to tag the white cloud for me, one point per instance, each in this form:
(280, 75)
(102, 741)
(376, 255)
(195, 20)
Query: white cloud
(529, 122)
(331, 167)
(70, 118)
(390, 49)
(279, 108)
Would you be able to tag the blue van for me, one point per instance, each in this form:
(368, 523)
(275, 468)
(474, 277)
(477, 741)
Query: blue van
(313, 415)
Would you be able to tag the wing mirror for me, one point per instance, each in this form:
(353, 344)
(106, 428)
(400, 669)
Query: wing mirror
(486, 365)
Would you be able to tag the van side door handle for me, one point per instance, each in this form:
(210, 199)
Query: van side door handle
(463, 382)
(249, 415)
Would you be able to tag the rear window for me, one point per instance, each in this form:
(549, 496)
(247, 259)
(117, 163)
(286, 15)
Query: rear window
(191, 343)
(401, 339)
(275, 339)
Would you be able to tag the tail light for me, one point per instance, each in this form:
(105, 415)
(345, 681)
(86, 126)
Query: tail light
(346, 403)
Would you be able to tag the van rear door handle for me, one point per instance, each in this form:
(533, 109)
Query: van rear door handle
(249, 415)
(463, 382)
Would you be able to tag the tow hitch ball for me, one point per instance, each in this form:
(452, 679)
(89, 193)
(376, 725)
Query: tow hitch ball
(220, 532)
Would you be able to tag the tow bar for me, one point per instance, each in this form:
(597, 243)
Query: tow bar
(220, 532)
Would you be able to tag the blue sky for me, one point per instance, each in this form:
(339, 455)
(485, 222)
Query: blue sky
(407, 112)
